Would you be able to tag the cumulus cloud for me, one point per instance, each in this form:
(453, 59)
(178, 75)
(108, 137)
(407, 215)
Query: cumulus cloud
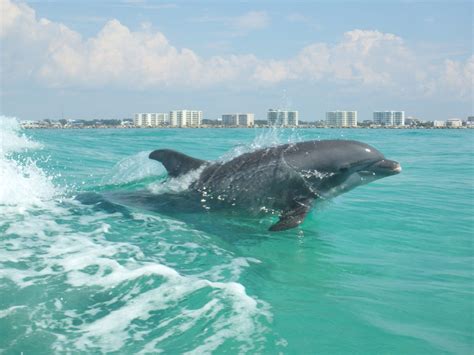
(459, 77)
(365, 57)
(55, 56)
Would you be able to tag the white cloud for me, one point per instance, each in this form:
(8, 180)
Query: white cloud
(365, 57)
(56, 56)
(459, 77)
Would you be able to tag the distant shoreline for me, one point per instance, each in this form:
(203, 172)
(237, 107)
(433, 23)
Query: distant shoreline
(253, 127)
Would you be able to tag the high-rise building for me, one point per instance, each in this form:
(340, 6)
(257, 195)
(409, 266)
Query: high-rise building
(185, 118)
(238, 119)
(389, 118)
(150, 119)
(282, 118)
(293, 118)
(341, 118)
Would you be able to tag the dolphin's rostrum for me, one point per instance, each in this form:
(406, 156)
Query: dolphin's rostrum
(286, 178)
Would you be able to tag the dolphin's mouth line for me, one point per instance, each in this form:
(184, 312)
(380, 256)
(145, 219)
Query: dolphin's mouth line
(383, 167)
(398, 169)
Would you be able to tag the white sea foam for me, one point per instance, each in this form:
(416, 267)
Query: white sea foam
(11, 137)
(24, 184)
(90, 262)
(6, 312)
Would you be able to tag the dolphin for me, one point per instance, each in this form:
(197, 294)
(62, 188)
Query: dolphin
(285, 179)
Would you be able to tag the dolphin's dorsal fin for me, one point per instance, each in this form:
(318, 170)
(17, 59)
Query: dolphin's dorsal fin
(176, 163)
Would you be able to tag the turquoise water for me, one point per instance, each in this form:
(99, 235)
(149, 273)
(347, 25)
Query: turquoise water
(385, 268)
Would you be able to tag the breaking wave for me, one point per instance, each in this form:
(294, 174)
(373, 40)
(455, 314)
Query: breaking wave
(24, 185)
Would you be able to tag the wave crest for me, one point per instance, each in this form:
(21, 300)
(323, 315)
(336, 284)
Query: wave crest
(24, 184)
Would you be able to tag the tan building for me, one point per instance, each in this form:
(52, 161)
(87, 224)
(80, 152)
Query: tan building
(185, 118)
(150, 119)
(341, 119)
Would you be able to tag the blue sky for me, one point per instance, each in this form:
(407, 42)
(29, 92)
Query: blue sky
(90, 59)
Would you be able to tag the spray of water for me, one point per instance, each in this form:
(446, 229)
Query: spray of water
(270, 137)
(135, 167)
(24, 185)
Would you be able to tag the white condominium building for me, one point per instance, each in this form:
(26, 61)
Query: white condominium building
(389, 118)
(341, 118)
(185, 118)
(454, 123)
(282, 118)
(150, 119)
(238, 119)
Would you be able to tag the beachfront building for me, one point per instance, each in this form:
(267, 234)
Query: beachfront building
(185, 118)
(238, 119)
(150, 119)
(439, 124)
(470, 122)
(282, 118)
(454, 123)
(389, 118)
(341, 119)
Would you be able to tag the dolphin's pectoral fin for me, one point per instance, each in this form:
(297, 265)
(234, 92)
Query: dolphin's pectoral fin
(176, 163)
(292, 217)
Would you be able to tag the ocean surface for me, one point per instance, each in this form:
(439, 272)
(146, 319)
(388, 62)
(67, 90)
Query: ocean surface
(386, 268)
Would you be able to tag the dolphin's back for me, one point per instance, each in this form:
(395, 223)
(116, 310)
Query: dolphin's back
(253, 179)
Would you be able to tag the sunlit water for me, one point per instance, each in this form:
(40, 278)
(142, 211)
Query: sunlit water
(385, 268)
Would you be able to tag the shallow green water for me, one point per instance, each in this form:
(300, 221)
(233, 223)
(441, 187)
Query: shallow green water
(385, 268)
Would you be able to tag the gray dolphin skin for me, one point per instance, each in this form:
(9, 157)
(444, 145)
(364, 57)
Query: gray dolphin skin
(284, 179)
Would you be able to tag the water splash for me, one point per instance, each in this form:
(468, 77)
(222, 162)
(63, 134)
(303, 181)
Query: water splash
(175, 185)
(12, 139)
(24, 185)
(135, 167)
(268, 137)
